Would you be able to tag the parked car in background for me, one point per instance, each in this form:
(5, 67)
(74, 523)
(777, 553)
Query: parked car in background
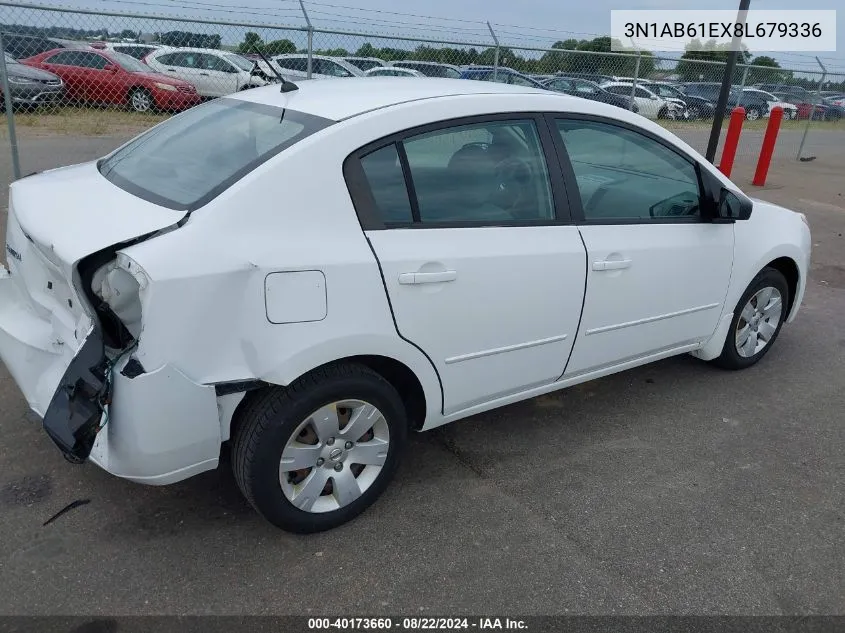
(588, 90)
(136, 50)
(650, 105)
(836, 99)
(810, 106)
(755, 107)
(295, 67)
(22, 46)
(501, 75)
(430, 69)
(594, 77)
(696, 107)
(110, 78)
(388, 71)
(30, 87)
(312, 276)
(365, 63)
(214, 73)
(790, 111)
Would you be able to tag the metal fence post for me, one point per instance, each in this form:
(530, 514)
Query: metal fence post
(10, 115)
(812, 109)
(310, 38)
(495, 52)
(742, 84)
(636, 75)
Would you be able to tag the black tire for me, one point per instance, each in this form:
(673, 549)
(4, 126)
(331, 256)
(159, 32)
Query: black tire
(730, 357)
(663, 113)
(269, 419)
(137, 96)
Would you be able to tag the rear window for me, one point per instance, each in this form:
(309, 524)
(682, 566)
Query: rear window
(186, 161)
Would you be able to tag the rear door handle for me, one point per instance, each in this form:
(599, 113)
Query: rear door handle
(427, 278)
(612, 264)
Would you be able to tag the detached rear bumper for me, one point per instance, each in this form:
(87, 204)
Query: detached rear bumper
(161, 427)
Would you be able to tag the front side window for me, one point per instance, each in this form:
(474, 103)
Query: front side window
(490, 172)
(187, 160)
(624, 175)
(521, 81)
(364, 64)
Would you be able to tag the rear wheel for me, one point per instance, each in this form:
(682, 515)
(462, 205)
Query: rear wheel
(314, 455)
(140, 100)
(757, 320)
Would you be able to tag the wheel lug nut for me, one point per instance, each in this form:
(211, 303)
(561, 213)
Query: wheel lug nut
(348, 445)
(321, 461)
(330, 441)
(338, 467)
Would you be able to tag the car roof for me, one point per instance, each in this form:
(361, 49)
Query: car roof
(192, 49)
(339, 99)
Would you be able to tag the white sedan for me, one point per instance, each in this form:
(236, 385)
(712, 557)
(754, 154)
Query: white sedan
(311, 274)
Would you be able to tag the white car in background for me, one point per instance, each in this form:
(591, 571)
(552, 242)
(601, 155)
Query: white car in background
(312, 274)
(651, 105)
(295, 67)
(790, 111)
(390, 71)
(133, 49)
(365, 63)
(214, 73)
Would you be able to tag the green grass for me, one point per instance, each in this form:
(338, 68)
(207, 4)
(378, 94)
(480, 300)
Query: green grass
(80, 122)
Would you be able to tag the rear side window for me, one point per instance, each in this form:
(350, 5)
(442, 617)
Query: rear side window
(482, 173)
(189, 159)
(387, 182)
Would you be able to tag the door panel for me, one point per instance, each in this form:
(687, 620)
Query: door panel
(657, 274)
(669, 290)
(480, 276)
(499, 315)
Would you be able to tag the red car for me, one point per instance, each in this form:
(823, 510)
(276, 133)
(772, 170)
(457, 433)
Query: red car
(108, 77)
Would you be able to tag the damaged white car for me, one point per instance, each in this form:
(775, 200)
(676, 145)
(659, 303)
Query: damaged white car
(314, 273)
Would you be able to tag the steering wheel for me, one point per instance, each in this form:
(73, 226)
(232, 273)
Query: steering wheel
(513, 185)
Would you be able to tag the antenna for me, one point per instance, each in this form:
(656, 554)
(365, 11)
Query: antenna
(287, 85)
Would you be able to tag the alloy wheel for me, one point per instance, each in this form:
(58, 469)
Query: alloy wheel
(758, 321)
(334, 456)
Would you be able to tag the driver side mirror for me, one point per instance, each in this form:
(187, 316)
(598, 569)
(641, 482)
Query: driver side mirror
(732, 207)
(111, 68)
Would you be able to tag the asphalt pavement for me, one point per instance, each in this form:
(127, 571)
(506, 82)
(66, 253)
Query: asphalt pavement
(672, 488)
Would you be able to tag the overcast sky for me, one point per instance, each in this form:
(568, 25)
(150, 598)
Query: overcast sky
(527, 22)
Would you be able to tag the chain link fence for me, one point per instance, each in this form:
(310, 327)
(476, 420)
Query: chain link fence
(91, 72)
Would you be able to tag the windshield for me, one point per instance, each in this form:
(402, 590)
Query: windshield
(241, 62)
(129, 63)
(664, 91)
(189, 159)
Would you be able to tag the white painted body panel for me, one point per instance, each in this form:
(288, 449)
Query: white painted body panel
(513, 286)
(507, 320)
(670, 294)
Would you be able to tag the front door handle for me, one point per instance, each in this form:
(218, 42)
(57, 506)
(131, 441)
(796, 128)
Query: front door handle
(427, 278)
(612, 264)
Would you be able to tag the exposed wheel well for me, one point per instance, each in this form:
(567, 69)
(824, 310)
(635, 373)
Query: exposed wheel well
(397, 374)
(789, 269)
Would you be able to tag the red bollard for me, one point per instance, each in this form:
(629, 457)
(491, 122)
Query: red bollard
(768, 147)
(732, 140)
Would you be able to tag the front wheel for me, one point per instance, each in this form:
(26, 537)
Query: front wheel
(314, 455)
(757, 321)
(140, 100)
(752, 114)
